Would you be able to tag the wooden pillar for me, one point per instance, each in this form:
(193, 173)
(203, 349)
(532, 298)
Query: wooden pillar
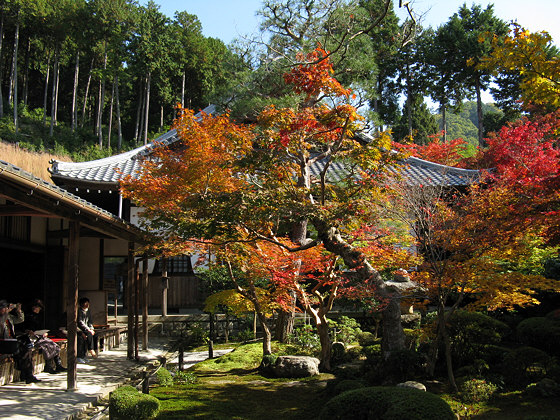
(145, 302)
(164, 286)
(72, 303)
(136, 308)
(130, 302)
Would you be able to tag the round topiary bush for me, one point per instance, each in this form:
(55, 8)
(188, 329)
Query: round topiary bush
(348, 385)
(471, 332)
(386, 403)
(540, 332)
(524, 365)
(127, 403)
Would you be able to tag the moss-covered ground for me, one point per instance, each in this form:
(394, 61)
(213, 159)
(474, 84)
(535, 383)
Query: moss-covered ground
(231, 387)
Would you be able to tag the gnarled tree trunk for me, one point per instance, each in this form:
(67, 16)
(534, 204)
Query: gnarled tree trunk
(393, 335)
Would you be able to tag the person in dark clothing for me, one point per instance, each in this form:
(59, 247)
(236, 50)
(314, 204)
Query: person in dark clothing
(86, 331)
(32, 327)
(23, 356)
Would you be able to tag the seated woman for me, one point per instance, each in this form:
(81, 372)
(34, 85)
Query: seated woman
(10, 315)
(50, 350)
(86, 331)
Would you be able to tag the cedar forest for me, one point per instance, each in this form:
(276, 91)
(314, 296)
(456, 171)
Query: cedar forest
(242, 182)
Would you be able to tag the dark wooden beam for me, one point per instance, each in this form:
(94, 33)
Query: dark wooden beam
(130, 302)
(84, 233)
(17, 210)
(72, 304)
(145, 302)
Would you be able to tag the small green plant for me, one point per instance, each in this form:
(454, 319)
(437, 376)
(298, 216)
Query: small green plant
(477, 391)
(305, 337)
(244, 336)
(182, 377)
(127, 403)
(164, 377)
(347, 330)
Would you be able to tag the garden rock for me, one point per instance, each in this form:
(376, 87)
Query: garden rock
(413, 384)
(296, 366)
(338, 350)
(545, 388)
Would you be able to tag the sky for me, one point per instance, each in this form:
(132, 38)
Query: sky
(230, 19)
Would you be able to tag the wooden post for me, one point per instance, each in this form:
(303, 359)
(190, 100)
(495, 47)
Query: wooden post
(130, 302)
(72, 303)
(211, 337)
(181, 358)
(145, 383)
(136, 307)
(164, 285)
(145, 303)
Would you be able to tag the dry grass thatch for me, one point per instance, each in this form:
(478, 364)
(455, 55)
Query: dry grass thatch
(35, 163)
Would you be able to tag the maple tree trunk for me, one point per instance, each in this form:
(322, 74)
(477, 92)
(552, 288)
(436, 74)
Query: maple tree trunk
(322, 325)
(448, 359)
(393, 335)
(267, 335)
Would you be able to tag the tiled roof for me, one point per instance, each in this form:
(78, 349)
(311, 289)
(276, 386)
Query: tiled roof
(59, 192)
(413, 170)
(109, 170)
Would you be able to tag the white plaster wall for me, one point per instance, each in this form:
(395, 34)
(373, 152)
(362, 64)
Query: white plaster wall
(89, 264)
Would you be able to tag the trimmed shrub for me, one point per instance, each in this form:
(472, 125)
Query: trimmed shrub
(366, 338)
(540, 332)
(402, 365)
(127, 403)
(348, 385)
(525, 365)
(348, 329)
(386, 403)
(354, 353)
(471, 332)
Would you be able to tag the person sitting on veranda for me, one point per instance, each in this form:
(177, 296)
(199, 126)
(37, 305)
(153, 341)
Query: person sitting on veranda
(11, 315)
(50, 350)
(86, 332)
